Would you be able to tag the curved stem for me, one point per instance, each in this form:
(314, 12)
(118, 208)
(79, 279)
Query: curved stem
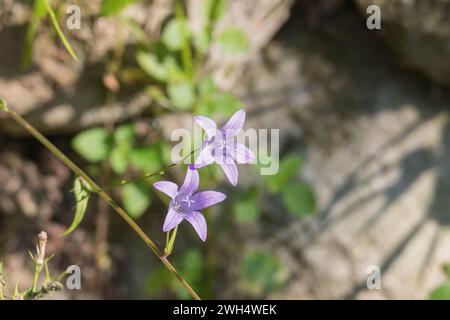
(107, 198)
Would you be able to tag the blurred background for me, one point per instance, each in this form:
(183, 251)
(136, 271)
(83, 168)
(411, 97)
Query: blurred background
(364, 140)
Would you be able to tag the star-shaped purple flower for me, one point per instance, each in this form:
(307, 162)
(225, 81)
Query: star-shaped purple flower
(221, 146)
(186, 203)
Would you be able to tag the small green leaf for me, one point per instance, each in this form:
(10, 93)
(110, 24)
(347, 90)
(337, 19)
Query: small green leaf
(82, 195)
(213, 10)
(124, 135)
(172, 35)
(150, 64)
(136, 199)
(214, 102)
(441, 293)
(147, 159)
(234, 40)
(119, 160)
(289, 167)
(299, 199)
(182, 95)
(113, 7)
(248, 208)
(93, 144)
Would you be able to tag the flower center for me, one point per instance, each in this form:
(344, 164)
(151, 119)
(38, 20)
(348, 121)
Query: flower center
(183, 203)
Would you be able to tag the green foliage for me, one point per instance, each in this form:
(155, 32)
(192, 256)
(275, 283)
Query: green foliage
(150, 64)
(262, 272)
(290, 167)
(172, 35)
(114, 7)
(182, 95)
(147, 159)
(213, 10)
(442, 292)
(233, 40)
(82, 195)
(299, 199)
(247, 208)
(94, 144)
(136, 199)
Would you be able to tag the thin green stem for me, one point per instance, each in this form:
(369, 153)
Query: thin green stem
(58, 30)
(96, 188)
(170, 240)
(186, 54)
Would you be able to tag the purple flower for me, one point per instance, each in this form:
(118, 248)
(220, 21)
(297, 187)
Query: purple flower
(186, 203)
(221, 146)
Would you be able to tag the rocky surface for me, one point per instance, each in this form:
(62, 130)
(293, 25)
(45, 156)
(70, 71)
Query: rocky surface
(418, 32)
(377, 144)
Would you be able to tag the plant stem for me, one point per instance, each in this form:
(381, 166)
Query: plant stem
(58, 30)
(95, 188)
(186, 54)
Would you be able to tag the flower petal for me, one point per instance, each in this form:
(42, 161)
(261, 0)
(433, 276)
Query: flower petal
(231, 171)
(173, 219)
(206, 199)
(167, 187)
(198, 222)
(242, 154)
(204, 158)
(207, 124)
(191, 182)
(236, 122)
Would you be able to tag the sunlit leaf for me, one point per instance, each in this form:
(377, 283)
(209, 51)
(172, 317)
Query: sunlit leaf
(182, 95)
(124, 135)
(299, 199)
(93, 144)
(147, 159)
(119, 160)
(172, 35)
(82, 195)
(136, 199)
(233, 40)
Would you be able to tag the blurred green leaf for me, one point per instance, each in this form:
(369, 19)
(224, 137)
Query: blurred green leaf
(248, 208)
(136, 199)
(172, 35)
(262, 272)
(150, 64)
(213, 10)
(93, 144)
(442, 292)
(233, 40)
(289, 167)
(82, 195)
(124, 135)
(147, 159)
(119, 160)
(299, 199)
(113, 7)
(182, 95)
